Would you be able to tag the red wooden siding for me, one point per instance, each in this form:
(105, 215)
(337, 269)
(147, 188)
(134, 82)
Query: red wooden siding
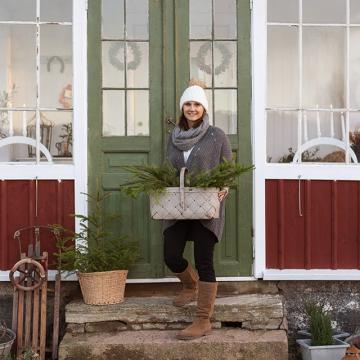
(18, 209)
(314, 226)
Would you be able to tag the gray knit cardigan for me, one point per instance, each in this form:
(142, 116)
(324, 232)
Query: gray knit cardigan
(205, 155)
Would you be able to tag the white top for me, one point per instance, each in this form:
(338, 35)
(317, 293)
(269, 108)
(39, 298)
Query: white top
(186, 154)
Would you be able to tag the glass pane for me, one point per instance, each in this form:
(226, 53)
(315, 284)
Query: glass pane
(225, 63)
(281, 136)
(354, 119)
(113, 112)
(225, 19)
(282, 67)
(14, 123)
(138, 112)
(113, 64)
(200, 19)
(137, 64)
(18, 64)
(17, 10)
(56, 10)
(354, 63)
(226, 110)
(201, 61)
(283, 10)
(137, 19)
(209, 95)
(354, 11)
(323, 67)
(320, 11)
(113, 19)
(56, 66)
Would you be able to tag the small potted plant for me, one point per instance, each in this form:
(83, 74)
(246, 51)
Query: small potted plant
(7, 338)
(322, 345)
(101, 259)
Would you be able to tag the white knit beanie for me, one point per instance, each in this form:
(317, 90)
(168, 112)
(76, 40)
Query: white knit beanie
(194, 93)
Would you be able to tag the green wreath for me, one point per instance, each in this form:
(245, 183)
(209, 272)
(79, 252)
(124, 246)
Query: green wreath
(114, 60)
(225, 61)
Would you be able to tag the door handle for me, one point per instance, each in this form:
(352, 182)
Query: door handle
(169, 121)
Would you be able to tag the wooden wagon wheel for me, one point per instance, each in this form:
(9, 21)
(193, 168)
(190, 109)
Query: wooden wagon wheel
(31, 272)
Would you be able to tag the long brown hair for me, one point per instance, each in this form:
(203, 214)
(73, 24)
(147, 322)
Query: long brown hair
(183, 124)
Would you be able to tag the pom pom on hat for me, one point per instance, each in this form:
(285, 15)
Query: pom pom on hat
(194, 92)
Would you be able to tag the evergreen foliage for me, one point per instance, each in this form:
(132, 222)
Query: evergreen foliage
(94, 248)
(320, 324)
(150, 179)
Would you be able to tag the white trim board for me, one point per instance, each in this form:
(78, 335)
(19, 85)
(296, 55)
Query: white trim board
(4, 277)
(315, 274)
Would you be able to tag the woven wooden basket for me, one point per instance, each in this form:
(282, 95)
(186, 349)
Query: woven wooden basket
(101, 288)
(185, 202)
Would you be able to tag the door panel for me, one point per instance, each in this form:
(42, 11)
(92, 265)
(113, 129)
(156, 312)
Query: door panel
(169, 72)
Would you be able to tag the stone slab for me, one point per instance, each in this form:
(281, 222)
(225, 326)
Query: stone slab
(231, 344)
(254, 311)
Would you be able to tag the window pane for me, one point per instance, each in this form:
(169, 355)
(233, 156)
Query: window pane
(225, 19)
(320, 11)
(282, 136)
(225, 63)
(209, 95)
(18, 64)
(137, 64)
(201, 61)
(283, 10)
(138, 112)
(282, 67)
(56, 10)
(56, 66)
(354, 119)
(355, 11)
(226, 110)
(113, 64)
(113, 112)
(200, 19)
(17, 10)
(354, 62)
(137, 19)
(113, 19)
(323, 65)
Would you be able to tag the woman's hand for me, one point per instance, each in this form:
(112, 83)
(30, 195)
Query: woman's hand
(223, 193)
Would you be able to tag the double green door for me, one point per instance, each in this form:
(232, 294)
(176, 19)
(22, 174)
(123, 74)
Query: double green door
(141, 55)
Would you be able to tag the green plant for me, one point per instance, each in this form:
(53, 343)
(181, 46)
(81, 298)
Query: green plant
(150, 179)
(320, 324)
(306, 156)
(67, 135)
(94, 248)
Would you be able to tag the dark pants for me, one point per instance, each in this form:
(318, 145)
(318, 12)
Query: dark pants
(175, 238)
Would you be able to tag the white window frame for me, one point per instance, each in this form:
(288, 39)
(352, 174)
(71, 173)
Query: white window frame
(76, 171)
(264, 170)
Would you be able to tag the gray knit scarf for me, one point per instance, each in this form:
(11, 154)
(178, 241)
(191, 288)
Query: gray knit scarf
(185, 139)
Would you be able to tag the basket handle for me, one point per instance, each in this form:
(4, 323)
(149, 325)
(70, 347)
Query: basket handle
(182, 184)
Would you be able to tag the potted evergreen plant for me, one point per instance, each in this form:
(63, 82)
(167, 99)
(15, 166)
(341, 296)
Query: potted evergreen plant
(101, 258)
(322, 345)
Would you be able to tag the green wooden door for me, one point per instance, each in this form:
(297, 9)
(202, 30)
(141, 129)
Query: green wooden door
(141, 55)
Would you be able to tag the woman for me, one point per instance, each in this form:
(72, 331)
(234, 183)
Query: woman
(198, 146)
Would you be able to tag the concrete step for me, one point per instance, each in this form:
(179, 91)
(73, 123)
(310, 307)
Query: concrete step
(251, 311)
(223, 344)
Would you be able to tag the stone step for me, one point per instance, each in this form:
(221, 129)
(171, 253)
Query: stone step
(223, 344)
(251, 311)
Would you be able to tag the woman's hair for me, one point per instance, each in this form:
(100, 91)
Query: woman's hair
(183, 124)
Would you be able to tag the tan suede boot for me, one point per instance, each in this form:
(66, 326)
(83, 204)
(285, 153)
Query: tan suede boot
(189, 279)
(205, 308)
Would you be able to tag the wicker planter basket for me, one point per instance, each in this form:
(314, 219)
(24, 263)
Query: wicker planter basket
(6, 343)
(101, 288)
(185, 202)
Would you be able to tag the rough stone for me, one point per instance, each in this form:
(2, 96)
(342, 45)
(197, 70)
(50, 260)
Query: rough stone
(75, 328)
(255, 311)
(229, 344)
(105, 326)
